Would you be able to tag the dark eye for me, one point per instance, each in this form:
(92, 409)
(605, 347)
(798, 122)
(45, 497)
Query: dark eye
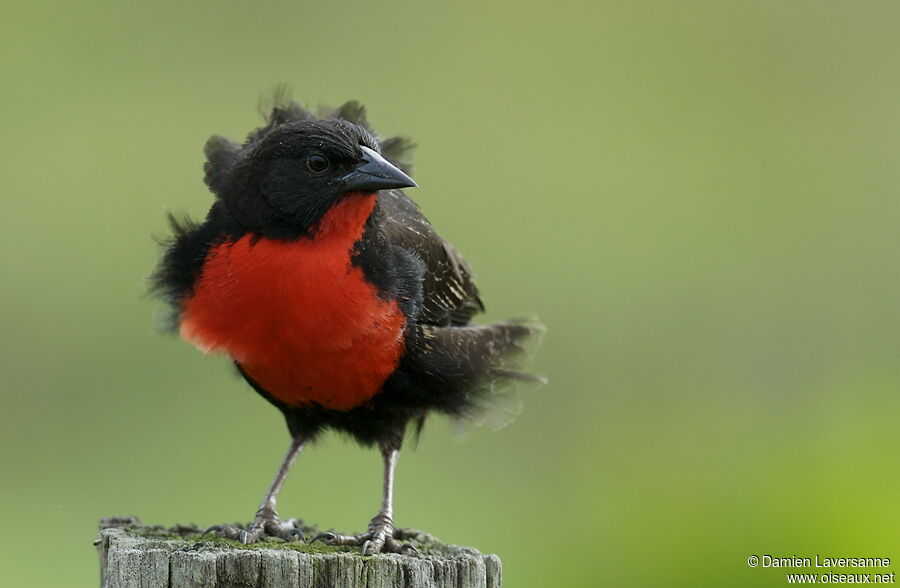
(316, 163)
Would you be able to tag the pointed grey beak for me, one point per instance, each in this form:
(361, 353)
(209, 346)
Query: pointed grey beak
(376, 173)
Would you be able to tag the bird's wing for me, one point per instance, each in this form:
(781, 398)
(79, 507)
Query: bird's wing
(450, 296)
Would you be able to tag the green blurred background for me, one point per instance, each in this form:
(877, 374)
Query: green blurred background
(699, 200)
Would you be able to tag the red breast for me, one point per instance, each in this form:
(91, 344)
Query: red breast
(302, 321)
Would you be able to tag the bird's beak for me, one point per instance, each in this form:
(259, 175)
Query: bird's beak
(376, 173)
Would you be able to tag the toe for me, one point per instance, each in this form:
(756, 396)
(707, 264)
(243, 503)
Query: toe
(287, 530)
(325, 538)
(292, 528)
(224, 531)
(391, 545)
(292, 534)
(252, 534)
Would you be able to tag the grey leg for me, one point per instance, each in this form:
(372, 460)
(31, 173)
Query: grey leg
(267, 521)
(380, 534)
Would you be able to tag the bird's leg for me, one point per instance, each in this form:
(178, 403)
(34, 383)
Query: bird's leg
(267, 521)
(380, 535)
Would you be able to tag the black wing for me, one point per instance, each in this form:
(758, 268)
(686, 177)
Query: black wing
(450, 296)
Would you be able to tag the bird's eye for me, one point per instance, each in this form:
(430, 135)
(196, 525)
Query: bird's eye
(316, 163)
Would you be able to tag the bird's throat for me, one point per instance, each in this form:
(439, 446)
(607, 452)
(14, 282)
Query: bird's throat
(346, 220)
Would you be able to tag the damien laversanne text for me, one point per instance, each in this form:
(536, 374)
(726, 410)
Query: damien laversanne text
(818, 561)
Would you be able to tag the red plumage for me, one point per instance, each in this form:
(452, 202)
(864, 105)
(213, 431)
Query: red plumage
(298, 316)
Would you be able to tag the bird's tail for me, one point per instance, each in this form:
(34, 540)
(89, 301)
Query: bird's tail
(471, 371)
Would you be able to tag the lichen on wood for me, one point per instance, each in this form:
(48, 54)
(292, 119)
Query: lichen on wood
(136, 555)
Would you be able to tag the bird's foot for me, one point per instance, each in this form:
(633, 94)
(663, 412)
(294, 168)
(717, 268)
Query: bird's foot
(379, 538)
(266, 524)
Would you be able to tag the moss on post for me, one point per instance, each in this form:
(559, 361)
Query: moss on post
(136, 555)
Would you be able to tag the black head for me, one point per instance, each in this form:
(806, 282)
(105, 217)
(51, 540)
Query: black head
(284, 180)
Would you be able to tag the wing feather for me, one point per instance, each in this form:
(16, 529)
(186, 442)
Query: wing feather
(449, 290)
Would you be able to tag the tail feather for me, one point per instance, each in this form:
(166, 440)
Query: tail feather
(471, 370)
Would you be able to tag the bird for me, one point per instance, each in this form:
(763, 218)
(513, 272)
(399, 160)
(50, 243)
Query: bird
(335, 298)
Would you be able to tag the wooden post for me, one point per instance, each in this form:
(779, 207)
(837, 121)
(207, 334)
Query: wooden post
(135, 555)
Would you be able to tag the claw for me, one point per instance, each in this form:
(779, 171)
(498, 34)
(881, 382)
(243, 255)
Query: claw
(261, 526)
(380, 537)
(226, 531)
(394, 546)
(294, 530)
(215, 529)
(250, 536)
(293, 534)
(326, 537)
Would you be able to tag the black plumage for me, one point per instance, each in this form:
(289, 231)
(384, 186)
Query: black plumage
(264, 188)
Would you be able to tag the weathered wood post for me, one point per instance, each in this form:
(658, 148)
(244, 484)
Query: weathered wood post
(135, 555)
